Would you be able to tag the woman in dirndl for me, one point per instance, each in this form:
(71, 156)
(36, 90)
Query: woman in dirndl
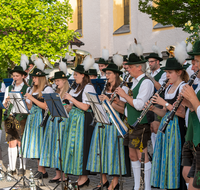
(109, 137)
(33, 136)
(15, 123)
(75, 146)
(166, 171)
(50, 151)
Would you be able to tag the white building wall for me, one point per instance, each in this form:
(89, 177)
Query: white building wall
(98, 30)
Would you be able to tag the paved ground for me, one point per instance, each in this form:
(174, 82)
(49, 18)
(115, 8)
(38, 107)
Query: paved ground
(94, 180)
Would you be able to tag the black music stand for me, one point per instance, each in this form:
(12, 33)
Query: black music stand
(20, 108)
(101, 117)
(122, 130)
(56, 109)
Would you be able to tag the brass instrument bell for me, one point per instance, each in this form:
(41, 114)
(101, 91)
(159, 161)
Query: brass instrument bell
(170, 50)
(80, 55)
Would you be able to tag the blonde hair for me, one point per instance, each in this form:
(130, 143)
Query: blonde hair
(42, 82)
(65, 89)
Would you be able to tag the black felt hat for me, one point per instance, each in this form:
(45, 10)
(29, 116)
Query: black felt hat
(92, 72)
(112, 67)
(38, 73)
(59, 75)
(18, 69)
(173, 64)
(155, 56)
(190, 58)
(102, 61)
(80, 69)
(134, 59)
(196, 49)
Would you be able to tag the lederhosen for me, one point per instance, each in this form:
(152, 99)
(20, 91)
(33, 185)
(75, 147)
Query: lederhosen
(191, 149)
(14, 125)
(139, 136)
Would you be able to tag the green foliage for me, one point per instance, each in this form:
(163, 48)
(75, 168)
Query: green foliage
(193, 30)
(34, 26)
(176, 12)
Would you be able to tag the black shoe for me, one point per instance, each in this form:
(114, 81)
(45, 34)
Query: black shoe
(13, 172)
(39, 175)
(86, 183)
(53, 180)
(116, 187)
(21, 172)
(59, 180)
(104, 185)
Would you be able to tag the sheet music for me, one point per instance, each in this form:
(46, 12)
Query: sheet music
(19, 105)
(99, 111)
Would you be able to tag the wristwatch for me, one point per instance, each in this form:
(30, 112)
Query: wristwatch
(167, 104)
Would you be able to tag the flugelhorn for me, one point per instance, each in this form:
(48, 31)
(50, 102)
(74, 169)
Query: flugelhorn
(177, 104)
(45, 61)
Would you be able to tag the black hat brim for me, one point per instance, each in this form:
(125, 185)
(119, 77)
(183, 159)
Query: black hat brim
(78, 71)
(114, 70)
(174, 68)
(158, 58)
(18, 71)
(135, 63)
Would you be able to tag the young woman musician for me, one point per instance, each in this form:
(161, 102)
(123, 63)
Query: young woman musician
(109, 136)
(49, 156)
(75, 146)
(33, 134)
(14, 126)
(166, 164)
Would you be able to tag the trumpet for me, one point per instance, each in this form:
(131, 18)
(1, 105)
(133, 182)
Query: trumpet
(177, 104)
(144, 112)
(122, 83)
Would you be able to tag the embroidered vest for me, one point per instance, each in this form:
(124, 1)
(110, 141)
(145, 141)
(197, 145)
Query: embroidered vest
(133, 114)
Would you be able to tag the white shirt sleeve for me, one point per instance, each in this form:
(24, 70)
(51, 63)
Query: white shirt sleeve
(162, 78)
(3, 87)
(125, 88)
(88, 88)
(198, 112)
(48, 90)
(145, 92)
(5, 95)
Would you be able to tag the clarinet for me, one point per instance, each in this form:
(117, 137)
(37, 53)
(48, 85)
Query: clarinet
(144, 112)
(122, 83)
(31, 87)
(73, 84)
(177, 104)
(46, 114)
(142, 172)
(6, 112)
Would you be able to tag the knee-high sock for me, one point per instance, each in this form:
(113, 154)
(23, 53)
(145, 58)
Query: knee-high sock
(147, 175)
(136, 173)
(12, 155)
(20, 160)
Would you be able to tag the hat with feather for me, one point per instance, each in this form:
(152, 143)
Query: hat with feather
(59, 75)
(112, 67)
(104, 58)
(176, 63)
(196, 49)
(156, 53)
(118, 60)
(18, 69)
(137, 56)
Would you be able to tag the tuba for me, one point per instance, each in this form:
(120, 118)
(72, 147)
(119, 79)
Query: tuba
(170, 50)
(80, 55)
